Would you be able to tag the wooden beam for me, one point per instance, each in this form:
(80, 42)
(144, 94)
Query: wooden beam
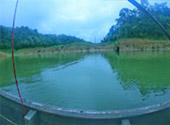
(30, 117)
(125, 122)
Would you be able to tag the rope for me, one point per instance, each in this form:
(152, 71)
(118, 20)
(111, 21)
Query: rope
(13, 60)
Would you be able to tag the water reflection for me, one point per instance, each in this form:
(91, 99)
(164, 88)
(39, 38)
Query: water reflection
(91, 81)
(147, 71)
(29, 68)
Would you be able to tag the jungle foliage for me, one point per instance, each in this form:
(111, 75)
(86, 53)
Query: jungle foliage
(29, 38)
(136, 24)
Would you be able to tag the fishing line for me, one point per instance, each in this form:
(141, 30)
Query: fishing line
(13, 60)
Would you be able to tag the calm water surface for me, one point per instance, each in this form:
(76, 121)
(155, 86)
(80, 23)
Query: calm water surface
(91, 81)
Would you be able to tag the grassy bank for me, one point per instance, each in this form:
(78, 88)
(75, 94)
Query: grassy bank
(143, 44)
(74, 47)
(3, 54)
(66, 48)
(123, 44)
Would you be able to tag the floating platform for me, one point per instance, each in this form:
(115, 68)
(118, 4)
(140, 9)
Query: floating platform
(11, 112)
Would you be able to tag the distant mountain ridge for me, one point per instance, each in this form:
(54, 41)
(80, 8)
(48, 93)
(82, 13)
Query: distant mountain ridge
(26, 37)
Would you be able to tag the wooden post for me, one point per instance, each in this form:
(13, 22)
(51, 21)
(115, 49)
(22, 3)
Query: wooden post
(30, 118)
(125, 122)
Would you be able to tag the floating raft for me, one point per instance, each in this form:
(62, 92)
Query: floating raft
(11, 112)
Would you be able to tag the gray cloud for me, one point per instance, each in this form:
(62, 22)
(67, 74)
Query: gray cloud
(87, 19)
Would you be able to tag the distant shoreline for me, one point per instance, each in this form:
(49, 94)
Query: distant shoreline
(123, 44)
(143, 44)
(49, 50)
(3, 54)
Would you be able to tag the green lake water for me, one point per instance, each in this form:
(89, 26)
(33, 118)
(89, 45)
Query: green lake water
(91, 81)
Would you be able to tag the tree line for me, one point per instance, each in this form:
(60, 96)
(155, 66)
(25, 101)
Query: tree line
(28, 38)
(133, 23)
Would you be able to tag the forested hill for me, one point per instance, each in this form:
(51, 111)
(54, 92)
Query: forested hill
(135, 24)
(28, 38)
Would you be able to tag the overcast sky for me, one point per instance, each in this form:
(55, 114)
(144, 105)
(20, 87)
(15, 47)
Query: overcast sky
(87, 19)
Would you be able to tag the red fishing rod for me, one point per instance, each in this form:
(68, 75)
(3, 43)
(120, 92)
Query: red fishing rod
(13, 60)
